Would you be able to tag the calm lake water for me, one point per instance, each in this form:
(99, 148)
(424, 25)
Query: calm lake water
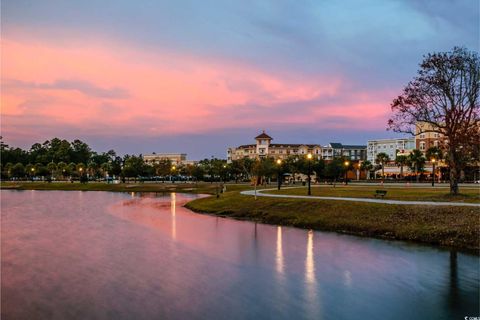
(100, 255)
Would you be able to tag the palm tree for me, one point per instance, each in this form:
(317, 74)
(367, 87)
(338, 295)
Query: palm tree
(434, 153)
(291, 164)
(400, 161)
(51, 167)
(62, 168)
(92, 168)
(105, 167)
(8, 169)
(71, 168)
(367, 166)
(416, 161)
(381, 159)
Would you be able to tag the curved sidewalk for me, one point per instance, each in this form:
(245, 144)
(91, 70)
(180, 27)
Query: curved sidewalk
(415, 203)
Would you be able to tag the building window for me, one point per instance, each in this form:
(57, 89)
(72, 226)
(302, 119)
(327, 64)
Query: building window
(422, 146)
(435, 143)
(422, 135)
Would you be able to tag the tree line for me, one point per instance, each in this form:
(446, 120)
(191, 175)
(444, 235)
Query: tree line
(62, 159)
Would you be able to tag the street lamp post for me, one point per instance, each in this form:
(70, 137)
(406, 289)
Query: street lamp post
(171, 175)
(433, 172)
(279, 181)
(309, 158)
(346, 163)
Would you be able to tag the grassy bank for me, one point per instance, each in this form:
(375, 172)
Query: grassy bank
(205, 188)
(447, 226)
(470, 194)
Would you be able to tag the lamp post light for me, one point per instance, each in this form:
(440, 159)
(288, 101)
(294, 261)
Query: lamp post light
(346, 163)
(433, 172)
(33, 172)
(171, 175)
(279, 181)
(80, 176)
(309, 158)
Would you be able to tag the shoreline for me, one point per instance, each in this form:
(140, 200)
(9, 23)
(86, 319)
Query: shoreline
(455, 228)
(472, 251)
(465, 239)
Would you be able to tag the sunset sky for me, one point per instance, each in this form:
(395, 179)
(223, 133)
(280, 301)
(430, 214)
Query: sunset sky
(198, 76)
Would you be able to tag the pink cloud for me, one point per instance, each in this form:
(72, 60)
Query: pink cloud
(105, 89)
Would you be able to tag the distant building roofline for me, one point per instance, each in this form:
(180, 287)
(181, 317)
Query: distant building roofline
(263, 135)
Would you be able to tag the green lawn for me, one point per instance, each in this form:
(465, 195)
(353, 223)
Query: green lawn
(470, 194)
(440, 225)
(206, 188)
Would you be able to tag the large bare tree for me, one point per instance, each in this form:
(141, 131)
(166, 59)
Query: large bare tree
(445, 96)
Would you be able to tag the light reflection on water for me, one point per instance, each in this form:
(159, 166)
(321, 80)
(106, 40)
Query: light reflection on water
(279, 258)
(85, 255)
(173, 203)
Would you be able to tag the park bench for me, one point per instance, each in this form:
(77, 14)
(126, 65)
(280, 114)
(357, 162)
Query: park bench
(380, 193)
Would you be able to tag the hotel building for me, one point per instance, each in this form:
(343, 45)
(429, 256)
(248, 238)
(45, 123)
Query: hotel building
(265, 148)
(392, 147)
(175, 158)
(424, 139)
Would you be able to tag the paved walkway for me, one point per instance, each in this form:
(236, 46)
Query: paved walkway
(422, 203)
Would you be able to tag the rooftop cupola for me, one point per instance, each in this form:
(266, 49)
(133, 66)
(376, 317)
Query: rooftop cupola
(263, 136)
(263, 141)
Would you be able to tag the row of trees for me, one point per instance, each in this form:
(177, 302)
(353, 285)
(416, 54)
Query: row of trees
(266, 168)
(57, 157)
(61, 159)
(415, 161)
(18, 163)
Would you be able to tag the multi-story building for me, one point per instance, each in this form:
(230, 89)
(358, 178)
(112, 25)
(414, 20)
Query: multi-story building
(175, 158)
(264, 148)
(337, 150)
(392, 147)
(425, 139)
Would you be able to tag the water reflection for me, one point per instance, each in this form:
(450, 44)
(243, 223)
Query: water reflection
(311, 289)
(173, 203)
(309, 261)
(453, 297)
(347, 275)
(95, 255)
(279, 256)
